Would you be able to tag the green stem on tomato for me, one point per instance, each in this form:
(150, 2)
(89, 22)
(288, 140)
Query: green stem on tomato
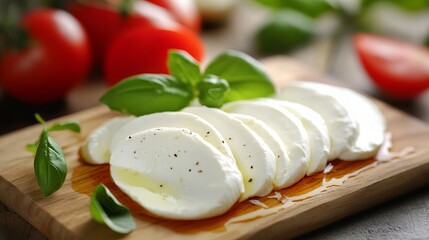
(125, 8)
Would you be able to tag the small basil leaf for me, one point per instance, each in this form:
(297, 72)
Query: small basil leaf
(105, 208)
(148, 93)
(246, 76)
(32, 147)
(285, 31)
(411, 6)
(313, 8)
(212, 91)
(72, 126)
(184, 67)
(49, 164)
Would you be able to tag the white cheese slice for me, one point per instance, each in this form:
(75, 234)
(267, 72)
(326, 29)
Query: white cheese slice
(254, 158)
(317, 131)
(287, 126)
(174, 173)
(273, 140)
(96, 149)
(343, 130)
(371, 122)
(177, 120)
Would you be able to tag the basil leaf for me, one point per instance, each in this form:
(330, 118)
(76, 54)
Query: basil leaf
(212, 91)
(411, 6)
(246, 76)
(105, 208)
(72, 126)
(184, 67)
(148, 93)
(285, 31)
(313, 8)
(32, 147)
(49, 164)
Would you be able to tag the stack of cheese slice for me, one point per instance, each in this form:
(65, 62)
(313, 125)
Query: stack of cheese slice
(199, 162)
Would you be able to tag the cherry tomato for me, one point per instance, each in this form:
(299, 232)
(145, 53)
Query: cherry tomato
(399, 68)
(104, 22)
(145, 50)
(57, 59)
(184, 11)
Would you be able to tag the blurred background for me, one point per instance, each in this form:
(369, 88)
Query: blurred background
(55, 65)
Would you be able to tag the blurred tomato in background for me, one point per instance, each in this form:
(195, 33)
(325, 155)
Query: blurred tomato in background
(123, 51)
(53, 57)
(46, 52)
(103, 21)
(145, 50)
(399, 68)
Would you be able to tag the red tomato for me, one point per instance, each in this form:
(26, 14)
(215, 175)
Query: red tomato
(57, 60)
(145, 50)
(104, 22)
(184, 11)
(399, 68)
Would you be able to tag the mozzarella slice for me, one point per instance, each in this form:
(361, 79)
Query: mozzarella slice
(343, 130)
(317, 132)
(273, 140)
(372, 125)
(288, 127)
(254, 158)
(96, 149)
(174, 173)
(177, 120)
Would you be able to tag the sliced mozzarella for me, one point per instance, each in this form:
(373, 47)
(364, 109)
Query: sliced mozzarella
(343, 130)
(372, 125)
(97, 146)
(173, 119)
(176, 174)
(273, 140)
(317, 131)
(254, 158)
(288, 127)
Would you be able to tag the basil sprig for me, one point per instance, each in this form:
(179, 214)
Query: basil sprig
(105, 208)
(50, 166)
(229, 77)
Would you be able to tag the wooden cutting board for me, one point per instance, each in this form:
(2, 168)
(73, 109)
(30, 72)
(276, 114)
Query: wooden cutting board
(312, 203)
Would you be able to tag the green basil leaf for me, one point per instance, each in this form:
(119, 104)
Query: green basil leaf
(32, 147)
(72, 126)
(49, 164)
(411, 5)
(313, 8)
(105, 208)
(285, 31)
(212, 91)
(246, 77)
(148, 93)
(184, 67)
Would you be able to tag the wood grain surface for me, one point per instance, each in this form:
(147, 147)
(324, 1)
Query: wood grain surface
(313, 202)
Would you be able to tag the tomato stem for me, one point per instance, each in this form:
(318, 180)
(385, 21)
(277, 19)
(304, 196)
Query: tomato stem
(125, 8)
